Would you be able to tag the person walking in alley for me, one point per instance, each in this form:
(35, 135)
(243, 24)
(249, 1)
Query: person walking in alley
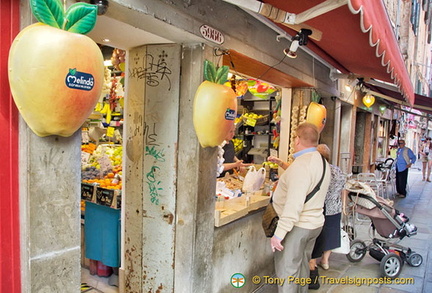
(426, 162)
(404, 159)
(299, 223)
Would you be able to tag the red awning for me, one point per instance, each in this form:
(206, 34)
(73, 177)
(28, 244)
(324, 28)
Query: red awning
(356, 38)
(422, 103)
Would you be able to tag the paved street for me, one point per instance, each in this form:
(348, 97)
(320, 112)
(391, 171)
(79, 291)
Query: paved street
(418, 207)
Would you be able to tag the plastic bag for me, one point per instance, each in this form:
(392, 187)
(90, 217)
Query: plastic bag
(345, 243)
(254, 179)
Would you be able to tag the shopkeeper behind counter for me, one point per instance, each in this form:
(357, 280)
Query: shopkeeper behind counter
(230, 161)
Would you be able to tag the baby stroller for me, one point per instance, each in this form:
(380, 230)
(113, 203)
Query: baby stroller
(390, 224)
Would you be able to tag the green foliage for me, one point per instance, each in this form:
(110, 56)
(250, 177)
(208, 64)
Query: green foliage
(213, 74)
(50, 12)
(79, 18)
(315, 97)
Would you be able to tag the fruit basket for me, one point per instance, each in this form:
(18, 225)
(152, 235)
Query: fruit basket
(253, 119)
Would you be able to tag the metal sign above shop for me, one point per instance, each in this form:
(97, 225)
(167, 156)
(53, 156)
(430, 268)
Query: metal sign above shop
(212, 34)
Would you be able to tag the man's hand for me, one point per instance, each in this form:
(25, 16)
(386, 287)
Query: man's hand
(276, 244)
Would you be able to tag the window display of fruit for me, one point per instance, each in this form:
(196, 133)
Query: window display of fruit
(253, 115)
(238, 144)
(88, 148)
(104, 161)
(252, 119)
(271, 165)
(108, 183)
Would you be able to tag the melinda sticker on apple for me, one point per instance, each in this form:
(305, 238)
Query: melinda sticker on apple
(79, 80)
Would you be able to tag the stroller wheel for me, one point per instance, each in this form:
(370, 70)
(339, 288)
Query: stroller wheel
(414, 259)
(357, 251)
(391, 265)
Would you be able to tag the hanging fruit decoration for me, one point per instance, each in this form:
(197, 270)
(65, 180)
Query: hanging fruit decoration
(239, 86)
(55, 72)
(316, 113)
(260, 89)
(215, 106)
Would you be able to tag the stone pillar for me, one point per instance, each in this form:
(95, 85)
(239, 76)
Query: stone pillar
(151, 168)
(50, 169)
(196, 187)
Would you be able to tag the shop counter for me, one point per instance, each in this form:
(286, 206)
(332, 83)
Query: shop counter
(230, 210)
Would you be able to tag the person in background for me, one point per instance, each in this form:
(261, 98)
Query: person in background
(329, 237)
(299, 223)
(424, 156)
(404, 160)
(227, 158)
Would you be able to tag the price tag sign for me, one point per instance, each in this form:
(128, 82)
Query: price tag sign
(110, 131)
(85, 158)
(105, 164)
(273, 152)
(251, 122)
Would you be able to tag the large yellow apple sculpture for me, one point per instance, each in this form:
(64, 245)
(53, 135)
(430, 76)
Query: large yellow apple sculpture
(55, 72)
(215, 107)
(317, 115)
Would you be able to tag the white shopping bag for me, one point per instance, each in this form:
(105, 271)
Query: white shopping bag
(345, 243)
(254, 179)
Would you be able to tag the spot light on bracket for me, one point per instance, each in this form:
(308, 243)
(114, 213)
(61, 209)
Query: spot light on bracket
(300, 39)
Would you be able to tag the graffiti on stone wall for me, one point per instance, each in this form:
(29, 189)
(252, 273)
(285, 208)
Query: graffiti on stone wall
(150, 134)
(153, 185)
(153, 70)
(157, 154)
(152, 150)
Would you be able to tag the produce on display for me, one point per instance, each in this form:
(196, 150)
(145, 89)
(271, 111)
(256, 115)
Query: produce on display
(238, 144)
(55, 72)
(215, 106)
(271, 165)
(104, 166)
(252, 119)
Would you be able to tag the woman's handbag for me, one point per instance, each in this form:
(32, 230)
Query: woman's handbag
(270, 217)
(270, 220)
(345, 243)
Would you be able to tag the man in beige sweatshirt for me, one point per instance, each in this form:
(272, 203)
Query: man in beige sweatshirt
(299, 222)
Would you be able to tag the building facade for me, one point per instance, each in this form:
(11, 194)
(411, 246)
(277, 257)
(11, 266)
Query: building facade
(174, 245)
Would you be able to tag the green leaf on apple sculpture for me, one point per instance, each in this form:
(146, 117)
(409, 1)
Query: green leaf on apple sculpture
(50, 12)
(79, 18)
(217, 75)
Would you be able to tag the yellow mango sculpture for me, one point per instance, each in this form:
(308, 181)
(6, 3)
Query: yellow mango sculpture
(317, 115)
(56, 75)
(215, 107)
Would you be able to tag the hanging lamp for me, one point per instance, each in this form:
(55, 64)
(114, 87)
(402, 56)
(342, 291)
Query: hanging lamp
(368, 100)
